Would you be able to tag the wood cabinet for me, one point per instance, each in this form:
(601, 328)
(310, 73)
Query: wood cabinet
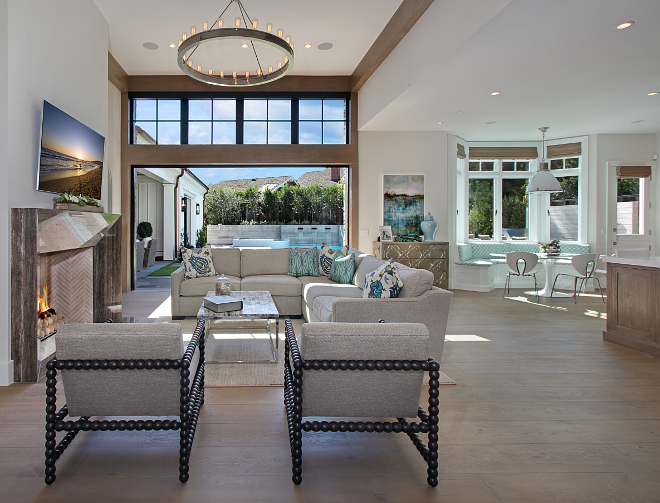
(430, 255)
(633, 307)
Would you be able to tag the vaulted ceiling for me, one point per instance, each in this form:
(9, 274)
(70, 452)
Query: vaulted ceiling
(559, 63)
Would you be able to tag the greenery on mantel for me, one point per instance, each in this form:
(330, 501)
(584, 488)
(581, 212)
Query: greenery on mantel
(71, 199)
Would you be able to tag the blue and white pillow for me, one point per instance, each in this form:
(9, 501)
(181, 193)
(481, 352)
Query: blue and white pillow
(343, 268)
(304, 264)
(197, 262)
(326, 256)
(383, 283)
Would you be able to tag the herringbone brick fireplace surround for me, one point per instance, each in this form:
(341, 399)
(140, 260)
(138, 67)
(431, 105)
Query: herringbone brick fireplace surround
(69, 259)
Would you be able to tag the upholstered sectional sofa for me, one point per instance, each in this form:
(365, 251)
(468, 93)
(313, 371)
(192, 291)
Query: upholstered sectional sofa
(317, 298)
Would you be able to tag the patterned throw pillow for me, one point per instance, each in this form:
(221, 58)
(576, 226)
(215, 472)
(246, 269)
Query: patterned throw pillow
(326, 256)
(383, 283)
(304, 264)
(343, 268)
(198, 262)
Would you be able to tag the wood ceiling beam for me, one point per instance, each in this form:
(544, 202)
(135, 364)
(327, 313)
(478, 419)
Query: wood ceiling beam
(398, 27)
(117, 75)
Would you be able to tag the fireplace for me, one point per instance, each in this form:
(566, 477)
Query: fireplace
(65, 269)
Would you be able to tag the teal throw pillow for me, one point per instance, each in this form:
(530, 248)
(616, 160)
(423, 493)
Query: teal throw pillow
(383, 283)
(326, 256)
(197, 262)
(343, 268)
(304, 264)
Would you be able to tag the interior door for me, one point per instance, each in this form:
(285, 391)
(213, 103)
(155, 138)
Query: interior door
(630, 219)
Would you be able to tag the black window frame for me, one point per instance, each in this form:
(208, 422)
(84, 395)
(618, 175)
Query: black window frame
(240, 97)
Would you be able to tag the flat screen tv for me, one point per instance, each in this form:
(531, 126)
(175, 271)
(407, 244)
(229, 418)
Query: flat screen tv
(71, 157)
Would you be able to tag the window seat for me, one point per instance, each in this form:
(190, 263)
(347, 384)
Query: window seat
(478, 270)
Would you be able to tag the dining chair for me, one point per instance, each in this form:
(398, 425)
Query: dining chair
(585, 266)
(529, 261)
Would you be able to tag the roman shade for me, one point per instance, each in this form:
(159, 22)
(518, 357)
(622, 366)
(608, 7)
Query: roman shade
(460, 151)
(633, 171)
(564, 150)
(503, 153)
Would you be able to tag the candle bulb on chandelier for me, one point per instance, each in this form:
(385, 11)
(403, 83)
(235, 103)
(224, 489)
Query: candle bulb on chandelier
(190, 63)
(259, 72)
(234, 74)
(199, 68)
(184, 35)
(206, 25)
(254, 24)
(279, 64)
(220, 23)
(193, 30)
(238, 22)
(222, 74)
(210, 71)
(288, 39)
(269, 27)
(270, 69)
(180, 42)
(247, 75)
(286, 60)
(280, 32)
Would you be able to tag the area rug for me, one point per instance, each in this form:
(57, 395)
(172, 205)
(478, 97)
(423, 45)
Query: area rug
(228, 342)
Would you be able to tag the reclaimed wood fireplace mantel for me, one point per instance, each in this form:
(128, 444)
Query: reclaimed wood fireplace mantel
(77, 250)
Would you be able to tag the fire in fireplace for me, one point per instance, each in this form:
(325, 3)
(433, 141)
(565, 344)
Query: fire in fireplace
(48, 320)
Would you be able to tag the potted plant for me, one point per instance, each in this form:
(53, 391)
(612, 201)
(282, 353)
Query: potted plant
(144, 230)
(551, 248)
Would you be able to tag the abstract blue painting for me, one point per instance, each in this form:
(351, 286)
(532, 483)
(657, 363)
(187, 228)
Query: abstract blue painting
(403, 203)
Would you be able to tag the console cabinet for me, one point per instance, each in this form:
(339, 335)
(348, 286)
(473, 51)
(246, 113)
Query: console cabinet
(430, 255)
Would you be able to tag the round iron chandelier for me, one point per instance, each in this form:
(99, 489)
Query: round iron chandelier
(227, 56)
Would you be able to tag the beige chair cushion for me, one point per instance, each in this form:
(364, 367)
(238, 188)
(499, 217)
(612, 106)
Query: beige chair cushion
(360, 393)
(121, 392)
(227, 260)
(196, 287)
(277, 285)
(313, 290)
(415, 281)
(322, 307)
(264, 262)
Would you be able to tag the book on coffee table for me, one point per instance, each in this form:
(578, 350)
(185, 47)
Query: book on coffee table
(222, 303)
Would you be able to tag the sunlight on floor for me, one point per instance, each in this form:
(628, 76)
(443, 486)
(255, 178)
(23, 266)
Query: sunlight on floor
(465, 338)
(165, 309)
(525, 300)
(595, 314)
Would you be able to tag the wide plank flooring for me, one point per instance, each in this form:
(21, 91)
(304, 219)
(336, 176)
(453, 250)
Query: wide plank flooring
(543, 411)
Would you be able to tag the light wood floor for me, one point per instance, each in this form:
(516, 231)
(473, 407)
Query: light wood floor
(543, 411)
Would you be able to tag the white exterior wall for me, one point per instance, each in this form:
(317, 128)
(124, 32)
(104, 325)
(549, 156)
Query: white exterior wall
(150, 209)
(400, 153)
(63, 61)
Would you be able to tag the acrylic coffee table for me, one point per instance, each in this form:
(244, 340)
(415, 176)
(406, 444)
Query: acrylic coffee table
(256, 306)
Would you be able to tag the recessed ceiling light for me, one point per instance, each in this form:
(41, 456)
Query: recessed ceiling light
(308, 46)
(653, 93)
(491, 122)
(439, 122)
(325, 46)
(459, 111)
(637, 122)
(494, 93)
(244, 46)
(625, 25)
(150, 45)
(172, 46)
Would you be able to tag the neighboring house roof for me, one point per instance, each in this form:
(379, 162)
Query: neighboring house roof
(142, 137)
(271, 181)
(322, 178)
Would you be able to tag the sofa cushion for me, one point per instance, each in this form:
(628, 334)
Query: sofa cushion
(197, 262)
(227, 260)
(330, 288)
(359, 256)
(383, 283)
(260, 262)
(415, 281)
(326, 256)
(196, 287)
(368, 264)
(287, 286)
(305, 263)
(322, 307)
(343, 268)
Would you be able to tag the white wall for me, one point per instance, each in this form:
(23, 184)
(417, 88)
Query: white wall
(64, 60)
(113, 151)
(397, 153)
(611, 147)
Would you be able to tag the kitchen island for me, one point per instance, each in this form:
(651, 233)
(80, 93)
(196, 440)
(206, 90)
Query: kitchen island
(633, 303)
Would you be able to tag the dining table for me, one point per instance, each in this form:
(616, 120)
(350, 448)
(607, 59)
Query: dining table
(548, 260)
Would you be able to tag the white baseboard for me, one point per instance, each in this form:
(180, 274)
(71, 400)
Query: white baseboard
(6, 373)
